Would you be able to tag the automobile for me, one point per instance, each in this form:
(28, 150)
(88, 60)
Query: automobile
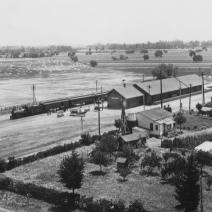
(60, 113)
(78, 112)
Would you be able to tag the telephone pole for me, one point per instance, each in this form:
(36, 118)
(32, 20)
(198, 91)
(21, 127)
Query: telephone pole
(203, 90)
(190, 99)
(98, 116)
(180, 96)
(161, 91)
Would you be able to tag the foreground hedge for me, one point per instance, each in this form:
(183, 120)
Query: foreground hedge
(188, 142)
(66, 199)
(15, 162)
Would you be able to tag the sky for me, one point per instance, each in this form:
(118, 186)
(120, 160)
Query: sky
(83, 22)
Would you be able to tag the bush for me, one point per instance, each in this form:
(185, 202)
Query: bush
(93, 63)
(130, 51)
(3, 165)
(197, 58)
(144, 51)
(136, 206)
(146, 57)
(158, 53)
(86, 139)
(4, 182)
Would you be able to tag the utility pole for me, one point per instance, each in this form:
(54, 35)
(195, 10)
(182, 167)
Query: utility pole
(190, 99)
(102, 99)
(180, 96)
(161, 91)
(98, 116)
(143, 77)
(96, 85)
(34, 101)
(81, 120)
(203, 90)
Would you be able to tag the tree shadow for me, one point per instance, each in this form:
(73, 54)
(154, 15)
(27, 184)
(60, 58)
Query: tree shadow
(97, 173)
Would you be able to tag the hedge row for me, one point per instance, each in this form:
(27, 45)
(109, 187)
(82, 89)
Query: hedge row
(13, 162)
(188, 142)
(66, 199)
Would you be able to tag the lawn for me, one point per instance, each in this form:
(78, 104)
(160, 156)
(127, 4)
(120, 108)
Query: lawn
(194, 122)
(157, 197)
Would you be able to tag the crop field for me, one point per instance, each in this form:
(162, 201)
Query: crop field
(156, 197)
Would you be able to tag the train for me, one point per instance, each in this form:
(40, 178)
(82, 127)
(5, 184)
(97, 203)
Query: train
(57, 104)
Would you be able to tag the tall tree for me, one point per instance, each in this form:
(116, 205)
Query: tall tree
(164, 71)
(71, 171)
(180, 119)
(187, 188)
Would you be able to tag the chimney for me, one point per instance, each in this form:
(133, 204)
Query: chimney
(124, 84)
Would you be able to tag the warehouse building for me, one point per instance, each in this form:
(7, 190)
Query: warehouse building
(170, 87)
(127, 95)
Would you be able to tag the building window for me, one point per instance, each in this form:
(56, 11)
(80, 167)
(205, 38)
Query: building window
(151, 126)
(156, 127)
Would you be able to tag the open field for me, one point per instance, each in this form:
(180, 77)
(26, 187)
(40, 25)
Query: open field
(58, 77)
(157, 197)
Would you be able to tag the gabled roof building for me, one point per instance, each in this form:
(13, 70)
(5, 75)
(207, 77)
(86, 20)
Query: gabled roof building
(128, 94)
(170, 87)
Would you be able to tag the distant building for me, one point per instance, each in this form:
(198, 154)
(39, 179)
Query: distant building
(170, 87)
(127, 93)
(157, 121)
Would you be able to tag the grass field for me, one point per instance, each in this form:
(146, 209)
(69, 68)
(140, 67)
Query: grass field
(156, 196)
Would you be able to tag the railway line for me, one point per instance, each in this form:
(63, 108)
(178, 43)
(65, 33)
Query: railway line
(57, 104)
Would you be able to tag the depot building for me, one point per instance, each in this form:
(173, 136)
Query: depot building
(127, 95)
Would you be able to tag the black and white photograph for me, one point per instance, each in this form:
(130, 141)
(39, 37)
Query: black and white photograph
(105, 106)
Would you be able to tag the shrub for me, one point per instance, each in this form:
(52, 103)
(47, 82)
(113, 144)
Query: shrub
(4, 182)
(136, 206)
(144, 51)
(130, 51)
(146, 57)
(3, 165)
(124, 172)
(150, 160)
(86, 139)
(93, 63)
(158, 53)
(197, 58)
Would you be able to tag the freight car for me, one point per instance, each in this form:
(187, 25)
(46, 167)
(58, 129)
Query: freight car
(58, 104)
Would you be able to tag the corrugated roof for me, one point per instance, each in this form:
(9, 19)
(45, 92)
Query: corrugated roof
(156, 114)
(206, 147)
(170, 84)
(128, 92)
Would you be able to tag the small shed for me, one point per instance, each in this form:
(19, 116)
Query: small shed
(128, 94)
(130, 139)
(121, 163)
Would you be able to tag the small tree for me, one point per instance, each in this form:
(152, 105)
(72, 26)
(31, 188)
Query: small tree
(117, 124)
(3, 165)
(197, 58)
(124, 172)
(99, 158)
(150, 160)
(180, 119)
(187, 188)
(158, 53)
(93, 63)
(146, 57)
(199, 107)
(71, 171)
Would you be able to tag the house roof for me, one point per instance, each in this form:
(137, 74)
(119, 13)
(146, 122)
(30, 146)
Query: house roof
(121, 160)
(169, 84)
(206, 147)
(128, 92)
(156, 114)
(130, 137)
